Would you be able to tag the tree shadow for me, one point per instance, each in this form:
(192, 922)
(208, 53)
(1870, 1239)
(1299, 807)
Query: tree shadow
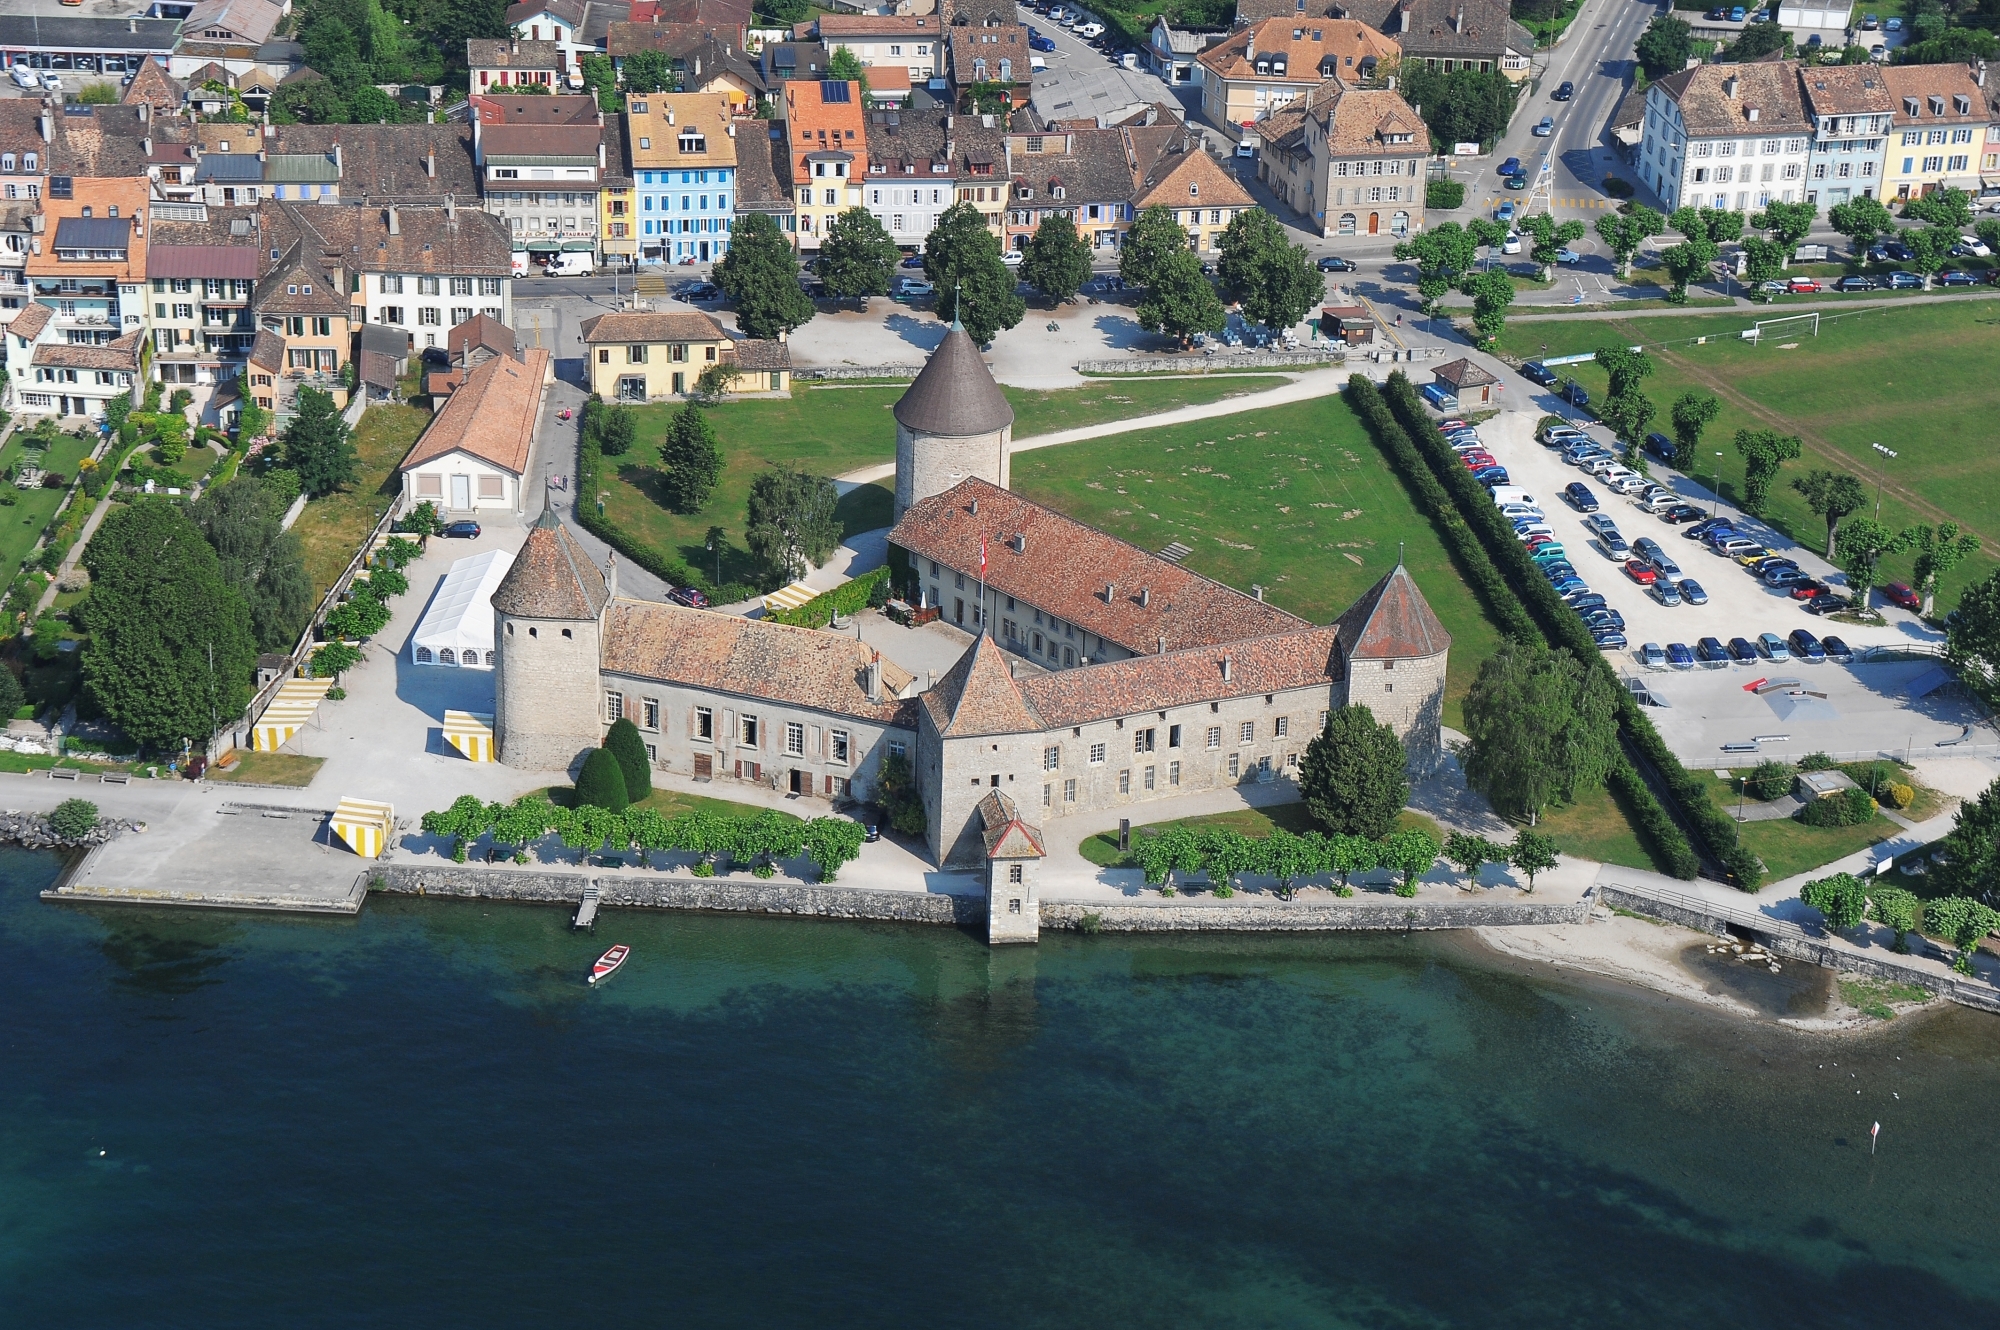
(865, 508)
(924, 334)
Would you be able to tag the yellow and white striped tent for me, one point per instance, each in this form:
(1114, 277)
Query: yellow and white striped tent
(470, 733)
(789, 598)
(294, 705)
(365, 825)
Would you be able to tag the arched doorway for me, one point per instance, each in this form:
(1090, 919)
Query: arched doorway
(1347, 223)
(1374, 222)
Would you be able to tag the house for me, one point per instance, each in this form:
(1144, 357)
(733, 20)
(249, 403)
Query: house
(1203, 195)
(780, 62)
(1174, 53)
(683, 152)
(617, 202)
(576, 27)
(1446, 35)
(1940, 129)
(203, 279)
(91, 264)
(764, 174)
(888, 86)
(1628, 119)
(910, 42)
(382, 356)
(1080, 171)
(474, 453)
(302, 300)
(497, 62)
(990, 54)
(1347, 323)
(1727, 136)
(114, 46)
(263, 369)
(231, 33)
(915, 162)
(1851, 109)
(1261, 69)
(719, 65)
(1317, 151)
(469, 345)
(55, 377)
(153, 85)
(639, 357)
(1468, 382)
(827, 138)
(540, 168)
(408, 165)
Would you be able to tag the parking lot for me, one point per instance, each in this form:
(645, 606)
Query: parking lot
(1738, 603)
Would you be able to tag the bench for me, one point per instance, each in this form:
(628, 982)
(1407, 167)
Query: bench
(63, 773)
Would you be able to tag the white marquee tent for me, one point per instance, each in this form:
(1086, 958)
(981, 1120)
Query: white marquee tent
(457, 627)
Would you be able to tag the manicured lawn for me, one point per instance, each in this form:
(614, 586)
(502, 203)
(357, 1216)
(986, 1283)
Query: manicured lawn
(1295, 498)
(1789, 847)
(269, 769)
(666, 802)
(1916, 378)
(1102, 849)
(1598, 826)
(833, 430)
(21, 525)
(332, 528)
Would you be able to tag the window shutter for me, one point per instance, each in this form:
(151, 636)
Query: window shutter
(690, 723)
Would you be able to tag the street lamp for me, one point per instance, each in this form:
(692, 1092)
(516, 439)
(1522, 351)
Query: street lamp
(1886, 452)
(1715, 498)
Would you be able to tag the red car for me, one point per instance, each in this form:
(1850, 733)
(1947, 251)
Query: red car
(1641, 572)
(1899, 593)
(1801, 286)
(1474, 461)
(1534, 543)
(1807, 589)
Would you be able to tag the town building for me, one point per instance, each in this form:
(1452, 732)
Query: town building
(474, 454)
(764, 175)
(91, 266)
(540, 161)
(642, 357)
(989, 53)
(1851, 110)
(827, 137)
(1202, 193)
(302, 301)
(1087, 174)
(495, 63)
(1351, 160)
(719, 65)
(1446, 35)
(1175, 53)
(468, 346)
(73, 43)
(407, 165)
(952, 423)
(910, 42)
(56, 378)
(229, 33)
(1471, 385)
(683, 151)
(203, 279)
(1727, 136)
(1265, 67)
(160, 91)
(617, 202)
(915, 161)
(1940, 129)
(577, 27)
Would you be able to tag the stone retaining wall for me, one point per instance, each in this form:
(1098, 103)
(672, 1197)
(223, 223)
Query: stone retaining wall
(834, 372)
(1212, 364)
(1313, 916)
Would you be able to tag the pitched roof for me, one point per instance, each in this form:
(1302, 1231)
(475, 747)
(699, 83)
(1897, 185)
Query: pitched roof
(1005, 833)
(1462, 373)
(763, 169)
(503, 53)
(978, 695)
(654, 136)
(462, 241)
(238, 260)
(1455, 27)
(553, 576)
(1091, 164)
(491, 415)
(156, 87)
(28, 324)
(267, 351)
(569, 11)
(1392, 621)
(523, 145)
(971, 43)
(673, 39)
(1064, 568)
(1191, 176)
(955, 395)
(392, 163)
(756, 658)
(504, 106)
(1844, 89)
(1935, 94)
(1717, 101)
(831, 26)
(1310, 49)
(633, 328)
(477, 331)
(121, 354)
(1357, 122)
(1307, 657)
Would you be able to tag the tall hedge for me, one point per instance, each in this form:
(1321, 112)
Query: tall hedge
(601, 783)
(1710, 825)
(625, 743)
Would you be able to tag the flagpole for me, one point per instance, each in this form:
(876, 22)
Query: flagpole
(982, 584)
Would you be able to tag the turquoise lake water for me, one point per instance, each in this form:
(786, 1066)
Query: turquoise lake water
(422, 1117)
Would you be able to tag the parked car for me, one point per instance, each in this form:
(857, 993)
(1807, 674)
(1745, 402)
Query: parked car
(1613, 640)
(1563, 92)
(1602, 524)
(694, 291)
(1972, 247)
(1957, 278)
(1653, 656)
(1836, 650)
(1710, 651)
(1704, 526)
(1041, 43)
(24, 77)
(1568, 256)
(1605, 618)
(688, 596)
(1784, 579)
(1897, 250)
(909, 288)
(1742, 650)
(1825, 603)
(1904, 281)
(1579, 496)
(1899, 593)
(1773, 647)
(1691, 591)
(1584, 600)
(1807, 589)
(1679, 657)
(1641, 572)
(1802, 286)
(1732, 547)
(1545, 128)
(1663, 591)
(1569, 585)
(1855, 284)
(1536, 372)
(1747, 557)
(1681, 512)
(1491, 475)
(462, 531)
(1574, 394)
(1333, 264)
(1893, 25)
(1805, 645)
(1614, 547)
(1660, 446)
(1505, 212)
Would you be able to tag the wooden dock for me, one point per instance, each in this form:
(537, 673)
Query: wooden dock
(586, 913)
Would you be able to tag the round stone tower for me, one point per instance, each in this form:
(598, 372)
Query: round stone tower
(548, 613)
(954, 422)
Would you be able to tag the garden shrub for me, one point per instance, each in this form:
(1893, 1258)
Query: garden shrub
(1771, 780)
(1849, 808)
(1897, 795)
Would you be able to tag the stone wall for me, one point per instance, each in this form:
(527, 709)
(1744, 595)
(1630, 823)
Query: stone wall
(832, 373)
(1309, 916)
(548, 701)
(1330, 355)
(929, 464)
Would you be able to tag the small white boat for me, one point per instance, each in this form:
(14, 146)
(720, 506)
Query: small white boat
(609, 961)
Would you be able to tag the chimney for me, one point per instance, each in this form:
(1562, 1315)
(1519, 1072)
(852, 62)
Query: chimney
(874, 676)
(1110, 592)
(1250, 46)
(131, 25)
(1979, 73)
(263, 156)
(431, 163)
(145, 112)
(1225, 669)
(731, 131)
(1020, 542)
(1729, 86)
(974, 509)
(1750, 114)
(270, 130)
(600, 154)
(337, 168)
(450, 208)
(1145, 596)
(395, 227)
(514, 46)
(48, 127)
(1163, 646)
(146, 145)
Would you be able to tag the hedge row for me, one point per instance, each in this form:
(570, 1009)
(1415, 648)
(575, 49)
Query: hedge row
(673, 571)
(848, 598)
(1711, 826)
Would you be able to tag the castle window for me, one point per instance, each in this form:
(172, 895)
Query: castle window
(1388, 664)
(795, 738)
(568, 634)
(1214, 737)
(1097, 755)
(1388, 688)
(1173, 773)
(1014, 875)
(749, 731)
(1249, 732)
(1235, 764)
(1125, 781)
(838, 742)
(1069, 790)
(510, 630)
(1048, 795)
(532, 632)
(897, 748)
(614, 706)
(1051, 758)
(652, 713)
(704, 723)
(1149, 778)
(1173, 736)
(1282, 726)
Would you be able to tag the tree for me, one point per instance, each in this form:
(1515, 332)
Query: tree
(1468, 854)
(1861, 221)
(1353, 776)
(317, 445)
(1763, 260)
(690, 461)
(1951, 46)
(1972, 639)
(1948, 208)
(1629, 414)
(857, 257)
(1411, 852)
(1541, 728)
(1624, 232)
(1277, 283)
(601, 77)
(831, 842)
(650, 71)
(252, 421)
(1692, 413)
(609, 428)
(1970, 864)
(760, 275)
(1664, 47)
(1180, 301)
(1492, 292)
(1940, 549)
(1759, 40)
(1833, 495)
(1349, 854)
(792, 521)
(170, 651)
(974, 287)
(1930, 249)
(73, 819)
(1685, 262)
(1057, 262)
(1963, 922)
(1896, 909)
(1764, 452)
(1842, 898)
(628, 748)
(1154, 238)
(1550, 239)
(1464, 106)
(1532, 852)
(1441, 255)
(243, 521)
(12, 696)
(601, 783)
(1859, 549)
(1788, 223)
(896, 791)
(1625, 368)
(846, 66)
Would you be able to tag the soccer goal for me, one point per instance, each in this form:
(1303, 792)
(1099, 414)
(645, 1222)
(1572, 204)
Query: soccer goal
(1790, 322)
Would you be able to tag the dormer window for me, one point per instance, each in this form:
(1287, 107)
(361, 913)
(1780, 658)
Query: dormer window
(306, 289)
(292, 289)
(1059, 192)
(1961, 103)
(222, 146)
(28, 161)
(7, 162)
(638, 108)
(86, 210)
(692, 141)
(1194, 190)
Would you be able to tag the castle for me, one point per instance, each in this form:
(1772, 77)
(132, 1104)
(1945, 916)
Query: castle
(1100, 675)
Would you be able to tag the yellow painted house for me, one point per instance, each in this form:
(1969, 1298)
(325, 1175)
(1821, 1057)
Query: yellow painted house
(637, 357)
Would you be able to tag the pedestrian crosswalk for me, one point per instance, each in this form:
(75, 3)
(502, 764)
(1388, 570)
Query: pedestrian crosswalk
(1518, 199)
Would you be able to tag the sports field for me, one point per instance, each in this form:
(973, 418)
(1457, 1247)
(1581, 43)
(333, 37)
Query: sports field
(1917, 378)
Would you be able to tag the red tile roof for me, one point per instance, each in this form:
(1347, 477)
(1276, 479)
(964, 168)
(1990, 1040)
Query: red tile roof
(978, 696)
(553, 576)
(1392, 621)
(1306, 658)
(492, 416)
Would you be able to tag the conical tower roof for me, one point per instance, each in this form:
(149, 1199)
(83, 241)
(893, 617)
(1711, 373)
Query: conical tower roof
(955, 396)
(553, 576)
(978, 695)
(1392, 621)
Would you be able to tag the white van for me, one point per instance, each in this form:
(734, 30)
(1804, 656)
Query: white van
(1503, 494)
(520, 263)
(573, 263)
